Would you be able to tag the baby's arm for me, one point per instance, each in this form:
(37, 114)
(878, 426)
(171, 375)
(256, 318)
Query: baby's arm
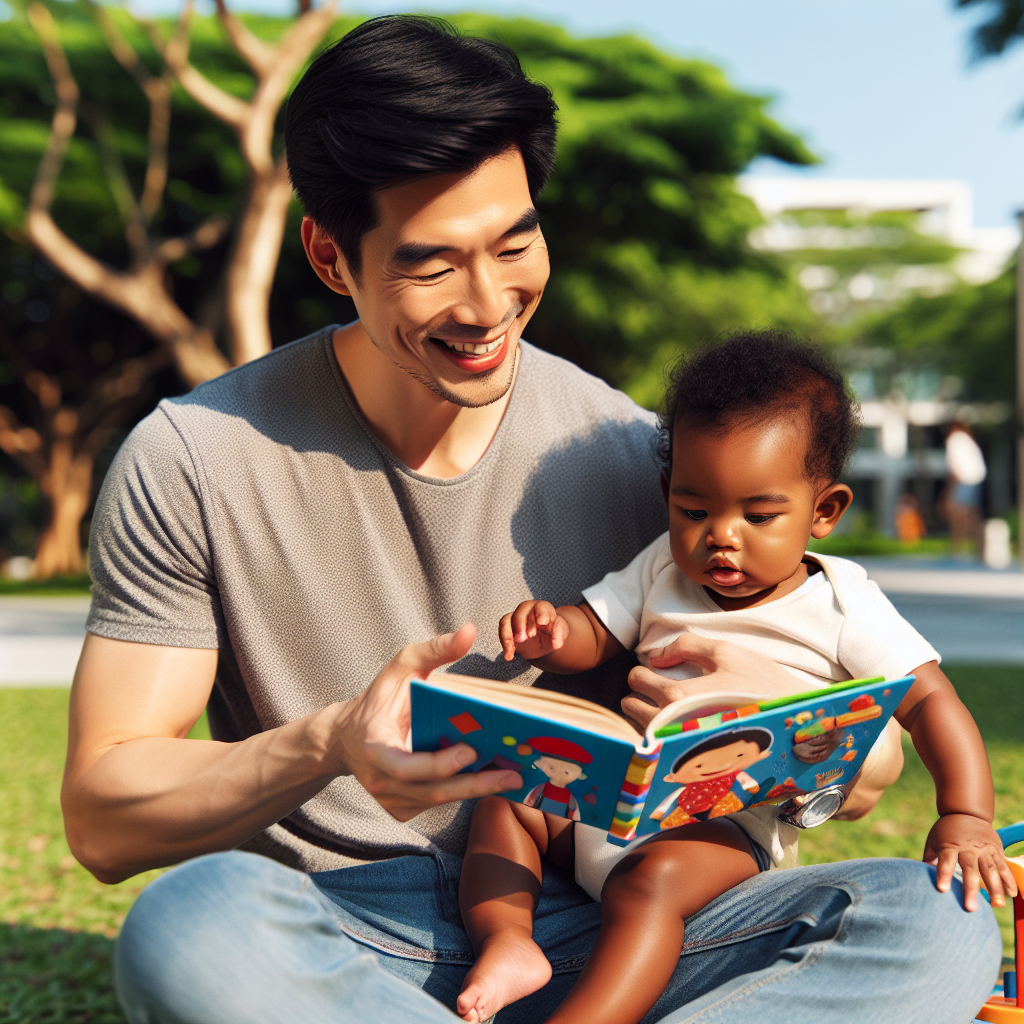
(566, 639)
(946, 737)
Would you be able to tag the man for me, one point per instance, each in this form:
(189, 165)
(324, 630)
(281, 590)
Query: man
(263, 546)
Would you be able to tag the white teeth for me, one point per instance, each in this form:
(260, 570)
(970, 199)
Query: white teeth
(469, 348)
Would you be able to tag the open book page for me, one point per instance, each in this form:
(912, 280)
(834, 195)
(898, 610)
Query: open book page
(767, 757)
(572, 755)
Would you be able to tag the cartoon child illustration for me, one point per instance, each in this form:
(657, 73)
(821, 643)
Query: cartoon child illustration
(707, 772)
(562, 762)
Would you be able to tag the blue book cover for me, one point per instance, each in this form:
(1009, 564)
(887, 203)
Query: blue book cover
(738, 760)
(702, 757)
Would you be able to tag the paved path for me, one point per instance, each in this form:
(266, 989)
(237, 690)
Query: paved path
(970, 615)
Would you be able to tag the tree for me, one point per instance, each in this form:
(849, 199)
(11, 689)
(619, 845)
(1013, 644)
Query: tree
(648, 233)
(966, 334)
(1005, 25)
(59, 451)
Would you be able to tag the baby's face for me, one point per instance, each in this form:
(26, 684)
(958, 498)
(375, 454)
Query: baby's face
(741, 510)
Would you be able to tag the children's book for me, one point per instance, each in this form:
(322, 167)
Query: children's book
(700, 758)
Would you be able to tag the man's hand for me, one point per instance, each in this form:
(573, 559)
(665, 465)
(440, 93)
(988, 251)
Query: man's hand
(974, 844)
(533, 630)
(725, 666)
(373, 735)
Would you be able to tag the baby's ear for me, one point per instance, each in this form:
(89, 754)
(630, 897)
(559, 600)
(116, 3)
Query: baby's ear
(829, 508)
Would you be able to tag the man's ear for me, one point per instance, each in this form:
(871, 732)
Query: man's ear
(666, 480)
(829, 508)
(325, 258)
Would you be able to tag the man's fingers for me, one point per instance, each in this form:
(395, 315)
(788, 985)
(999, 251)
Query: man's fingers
(404, 766)
(660, 689)
(688, 647)
(423, 658)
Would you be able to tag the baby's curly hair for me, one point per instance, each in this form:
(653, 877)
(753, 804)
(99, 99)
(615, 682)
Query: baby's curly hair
(752, 377)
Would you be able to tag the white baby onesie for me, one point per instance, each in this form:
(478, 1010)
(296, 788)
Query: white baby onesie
(837, 625)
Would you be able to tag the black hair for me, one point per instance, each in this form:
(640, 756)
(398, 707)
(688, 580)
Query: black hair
(403, 97)
(754, 734)
(751, 377)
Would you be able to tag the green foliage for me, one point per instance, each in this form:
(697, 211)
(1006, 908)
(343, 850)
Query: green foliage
(967, 333)
(1005, 25)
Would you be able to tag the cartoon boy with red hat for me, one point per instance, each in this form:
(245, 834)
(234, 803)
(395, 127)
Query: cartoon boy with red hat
(562, 762)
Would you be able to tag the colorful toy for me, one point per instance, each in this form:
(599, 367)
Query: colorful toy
(1008, 1008)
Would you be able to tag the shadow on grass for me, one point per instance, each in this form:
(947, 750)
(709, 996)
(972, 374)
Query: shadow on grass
(50, 976)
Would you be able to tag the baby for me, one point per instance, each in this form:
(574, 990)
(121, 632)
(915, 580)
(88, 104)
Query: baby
(755, 435)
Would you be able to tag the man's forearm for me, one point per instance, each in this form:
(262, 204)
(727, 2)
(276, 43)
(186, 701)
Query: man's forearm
(155, 801)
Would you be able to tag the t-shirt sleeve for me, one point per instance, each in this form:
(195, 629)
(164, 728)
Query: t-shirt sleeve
(618, 600)
(875, 640)
(149, 552)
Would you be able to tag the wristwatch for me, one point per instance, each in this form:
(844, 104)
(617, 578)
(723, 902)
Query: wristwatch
(811, 809)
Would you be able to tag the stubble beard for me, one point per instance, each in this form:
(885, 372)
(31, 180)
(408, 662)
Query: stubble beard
(464, 401)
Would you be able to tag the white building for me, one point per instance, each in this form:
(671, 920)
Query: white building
(946, 212)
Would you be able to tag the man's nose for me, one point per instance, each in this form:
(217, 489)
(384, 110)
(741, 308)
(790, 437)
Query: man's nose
(485, 303)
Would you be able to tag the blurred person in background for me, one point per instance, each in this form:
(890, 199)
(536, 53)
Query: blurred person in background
(910, 526)
(961, 500)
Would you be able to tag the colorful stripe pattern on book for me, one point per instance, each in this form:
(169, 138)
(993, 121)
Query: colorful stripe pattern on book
(638, 780)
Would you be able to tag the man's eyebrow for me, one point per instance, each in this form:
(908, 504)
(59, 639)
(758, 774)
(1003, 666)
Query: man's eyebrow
(527, 222)
(410, 253)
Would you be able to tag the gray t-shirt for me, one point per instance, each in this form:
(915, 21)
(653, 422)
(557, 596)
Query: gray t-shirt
(260, 515)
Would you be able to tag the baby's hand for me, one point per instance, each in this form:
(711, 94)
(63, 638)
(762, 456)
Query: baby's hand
(973, 843)
(534, 629)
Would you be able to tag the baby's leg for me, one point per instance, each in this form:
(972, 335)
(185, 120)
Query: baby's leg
(498, 893)
(644, 902)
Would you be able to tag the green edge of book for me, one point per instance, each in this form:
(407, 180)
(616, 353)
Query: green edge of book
(674, 728)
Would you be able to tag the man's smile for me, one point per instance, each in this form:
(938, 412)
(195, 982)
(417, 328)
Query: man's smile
(475, 356)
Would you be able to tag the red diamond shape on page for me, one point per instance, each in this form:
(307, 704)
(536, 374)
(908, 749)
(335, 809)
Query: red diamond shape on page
(465, 723)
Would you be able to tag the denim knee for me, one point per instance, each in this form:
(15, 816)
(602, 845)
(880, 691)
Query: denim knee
(192, 934)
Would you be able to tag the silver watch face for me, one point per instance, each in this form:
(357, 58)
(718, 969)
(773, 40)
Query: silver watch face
(812, 809)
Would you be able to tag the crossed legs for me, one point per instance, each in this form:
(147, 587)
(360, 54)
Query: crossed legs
(645, 900)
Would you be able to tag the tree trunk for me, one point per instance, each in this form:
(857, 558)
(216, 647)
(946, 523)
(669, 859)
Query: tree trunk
(66, 484)
(254, 259)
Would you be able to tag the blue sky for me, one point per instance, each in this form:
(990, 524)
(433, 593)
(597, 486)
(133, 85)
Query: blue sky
(879, 88)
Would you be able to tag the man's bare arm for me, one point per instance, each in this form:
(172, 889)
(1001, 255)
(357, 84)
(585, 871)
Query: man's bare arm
(137, 795)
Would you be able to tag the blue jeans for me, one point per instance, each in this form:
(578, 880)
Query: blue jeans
(234, 938)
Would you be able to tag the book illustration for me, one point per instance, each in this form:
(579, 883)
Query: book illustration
(581, 761)
(807, 747)
(707, 772)
(562, 762)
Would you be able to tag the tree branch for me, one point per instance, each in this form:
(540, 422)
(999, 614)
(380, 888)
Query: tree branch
(257, 54)
(21, 443)
(65, 114)
(158, 91)
(222, 105)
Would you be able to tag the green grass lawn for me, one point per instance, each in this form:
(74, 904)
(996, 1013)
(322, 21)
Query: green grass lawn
(57, 923)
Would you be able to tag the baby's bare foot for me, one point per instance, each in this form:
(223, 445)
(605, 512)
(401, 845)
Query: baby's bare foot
(510, 965)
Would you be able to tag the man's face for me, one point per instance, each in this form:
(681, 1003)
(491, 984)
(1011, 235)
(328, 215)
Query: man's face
(561, 773)
(449, 277)
(713, 764)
